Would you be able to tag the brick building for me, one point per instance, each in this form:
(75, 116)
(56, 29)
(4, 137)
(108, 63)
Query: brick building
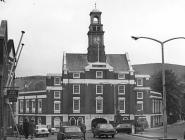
(93, 87)
(7, 55)
(97, 85)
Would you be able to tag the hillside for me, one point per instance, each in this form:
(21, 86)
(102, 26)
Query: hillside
(151, 68)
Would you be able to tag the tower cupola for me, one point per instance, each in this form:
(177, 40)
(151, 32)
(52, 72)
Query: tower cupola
(96, 52)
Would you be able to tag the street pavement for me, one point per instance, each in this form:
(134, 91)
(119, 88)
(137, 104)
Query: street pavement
(173, 131)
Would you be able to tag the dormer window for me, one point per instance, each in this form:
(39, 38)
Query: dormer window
(140, 82)
(99, 74)
(76, 75)
(121, 76)
(57, 81)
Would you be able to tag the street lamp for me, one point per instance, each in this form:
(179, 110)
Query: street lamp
(163, 76)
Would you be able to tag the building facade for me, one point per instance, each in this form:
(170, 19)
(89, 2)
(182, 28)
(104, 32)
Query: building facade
(93, 87)
(97, 85)
(7, 55)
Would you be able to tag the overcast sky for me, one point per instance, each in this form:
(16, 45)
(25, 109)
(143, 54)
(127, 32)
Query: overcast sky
(54, 26)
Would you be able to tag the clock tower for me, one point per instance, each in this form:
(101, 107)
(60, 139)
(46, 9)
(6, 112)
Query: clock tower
(96, 51)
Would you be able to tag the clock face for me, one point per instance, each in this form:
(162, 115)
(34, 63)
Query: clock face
(96, 39)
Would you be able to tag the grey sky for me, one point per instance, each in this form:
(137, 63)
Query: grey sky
(54, 26)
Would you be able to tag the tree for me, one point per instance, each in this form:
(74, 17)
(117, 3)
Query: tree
(174, 93)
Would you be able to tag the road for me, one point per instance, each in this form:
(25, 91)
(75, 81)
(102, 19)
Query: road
(89, 136)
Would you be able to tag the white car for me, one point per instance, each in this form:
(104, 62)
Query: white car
(53, 131)
(41, 130)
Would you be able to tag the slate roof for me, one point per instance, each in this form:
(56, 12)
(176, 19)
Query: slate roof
(78, 62)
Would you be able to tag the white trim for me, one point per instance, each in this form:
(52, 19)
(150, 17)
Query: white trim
(119, 74)
(32, 97)
(77, 73)
(57, 102)
(142, 88)
(156, 97)
(121, 93)
(33, 108)
(140, 102)
(90, 66)
(76, 98)
(57, 77)
(142, 76)
(153, 92)
(101, 76)
(101, 99)
(141, 94)
(97, 81)
(78, 89)
(58, 93)
(122, 72)
(97, 89)
(129, 63)
(139, 84)
(39, 108)
(121, 99)
(27, 106)
(26, 92)
(21, 104)
(54, 88)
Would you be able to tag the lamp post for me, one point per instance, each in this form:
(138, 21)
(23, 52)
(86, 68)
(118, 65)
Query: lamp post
(163, 76)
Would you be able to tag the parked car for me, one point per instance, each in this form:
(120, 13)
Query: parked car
(104, 130)
(53, 130)
(70, 132)
(41, 130)
(124, 128)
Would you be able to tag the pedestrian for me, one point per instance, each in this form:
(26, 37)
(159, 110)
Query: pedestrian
(26, 128)
(83, 129)
(32, 128)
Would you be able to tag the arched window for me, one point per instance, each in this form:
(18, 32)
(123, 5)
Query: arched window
(73, 121)
(39, 120)
(80, 120)
(56, 122)
(95, 20)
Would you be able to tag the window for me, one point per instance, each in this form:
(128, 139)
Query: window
(139, 82)
(39, 121)
(139, 95)
(57, 81)
(27, 106)
(33, 106)
(121, 89)
(99, 105)
(139, 105)
(99, 74)
(121, 76)
(76, 89)
(95, 20)
(76, 75)
(56, 106)
(39, 105)
(76, 104)
(21, 106)
(121, 104)
(99, 89)
(20, 120)
(56, 94)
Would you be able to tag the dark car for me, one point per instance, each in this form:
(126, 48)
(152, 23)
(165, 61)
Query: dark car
(124, 128)
(104, 130)
(70, 132)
